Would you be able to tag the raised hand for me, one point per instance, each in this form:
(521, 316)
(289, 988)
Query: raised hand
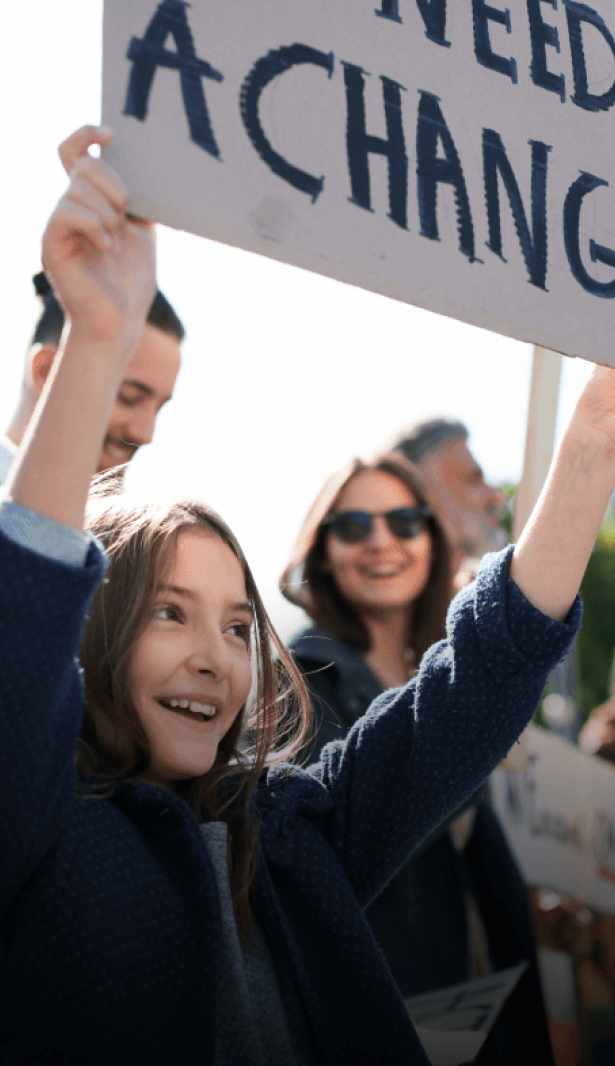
(554, 548)
(101, 262)
(595, 411)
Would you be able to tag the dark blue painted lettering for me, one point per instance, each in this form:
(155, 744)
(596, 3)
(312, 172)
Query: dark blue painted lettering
(389, 10)
(598, 253)
(542, 35)
(577, 14)
(263, 72)
(433, 13)
(483, 14)
(360, 144)
(433, 169)
(534, 245)
(148, 53)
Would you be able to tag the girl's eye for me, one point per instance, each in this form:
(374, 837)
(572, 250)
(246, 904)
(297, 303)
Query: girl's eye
(168, 612)
(241, 630)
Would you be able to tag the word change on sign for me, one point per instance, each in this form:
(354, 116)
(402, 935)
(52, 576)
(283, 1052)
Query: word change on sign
(460, 157)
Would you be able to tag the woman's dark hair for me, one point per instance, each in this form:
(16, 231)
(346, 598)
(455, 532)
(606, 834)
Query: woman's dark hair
(139, 539)
(320, 596)
(50, 324)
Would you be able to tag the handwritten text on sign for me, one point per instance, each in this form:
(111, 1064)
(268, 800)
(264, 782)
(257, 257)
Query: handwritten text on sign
(560, 818)
(456, 156)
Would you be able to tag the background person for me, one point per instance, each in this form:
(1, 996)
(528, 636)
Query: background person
(147, 386)
(471, 511)
(376, 567)
(467, 506)
(597, 737)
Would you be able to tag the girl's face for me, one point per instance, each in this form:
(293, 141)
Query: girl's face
(190, 673)
(382, 572)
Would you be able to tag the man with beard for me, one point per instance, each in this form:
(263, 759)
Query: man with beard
(469, 508)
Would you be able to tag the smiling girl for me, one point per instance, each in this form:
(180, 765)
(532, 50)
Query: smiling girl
(165, 896)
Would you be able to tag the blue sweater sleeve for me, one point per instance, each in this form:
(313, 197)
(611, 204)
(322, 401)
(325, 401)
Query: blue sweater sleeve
(43, 606)
(421, 750)
(42, 534)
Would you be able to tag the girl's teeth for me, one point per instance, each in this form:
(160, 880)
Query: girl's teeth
(194, 706)
(203, 708)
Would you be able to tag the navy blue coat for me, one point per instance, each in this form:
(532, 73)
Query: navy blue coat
(419, 918)
(110, 932)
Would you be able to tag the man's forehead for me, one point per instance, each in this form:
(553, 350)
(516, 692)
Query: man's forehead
(155, 364)
(456, 458)
(453, 459)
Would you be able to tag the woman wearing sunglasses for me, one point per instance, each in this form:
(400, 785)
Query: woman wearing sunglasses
(373, 564)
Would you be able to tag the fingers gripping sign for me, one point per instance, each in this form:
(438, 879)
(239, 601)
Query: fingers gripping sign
(101, 261)
(77, 144)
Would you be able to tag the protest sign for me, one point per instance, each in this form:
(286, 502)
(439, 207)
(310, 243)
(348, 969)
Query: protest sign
(559, 815)
(453, 1023)
(456, 156)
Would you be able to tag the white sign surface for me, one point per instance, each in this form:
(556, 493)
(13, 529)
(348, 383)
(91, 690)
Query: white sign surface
(453, 1023)
(457, 156)
(559, 815)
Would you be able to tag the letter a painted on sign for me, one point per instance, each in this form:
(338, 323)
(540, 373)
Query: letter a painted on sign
(148, 53)
(433, 169)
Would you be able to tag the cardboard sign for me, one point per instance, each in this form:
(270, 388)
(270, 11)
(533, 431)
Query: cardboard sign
(559, 816)
(453, 1023)
(455, 156)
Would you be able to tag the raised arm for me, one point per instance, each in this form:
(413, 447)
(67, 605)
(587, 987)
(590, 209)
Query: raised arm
(102, 266)
(554, 548)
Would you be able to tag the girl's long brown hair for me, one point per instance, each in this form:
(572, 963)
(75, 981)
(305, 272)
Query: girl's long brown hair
(139, 539)
(320, 596)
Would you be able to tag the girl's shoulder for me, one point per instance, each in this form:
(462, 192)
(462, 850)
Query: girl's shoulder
(289, 789)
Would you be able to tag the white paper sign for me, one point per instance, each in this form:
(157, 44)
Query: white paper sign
(457, 156)
(453, 1023)
(559, 815)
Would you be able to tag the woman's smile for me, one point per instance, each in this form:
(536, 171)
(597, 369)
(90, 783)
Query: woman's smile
(381, 570)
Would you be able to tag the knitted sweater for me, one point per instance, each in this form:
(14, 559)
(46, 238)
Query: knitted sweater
(111, 940)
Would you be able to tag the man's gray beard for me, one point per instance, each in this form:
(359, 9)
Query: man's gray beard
(490, 539)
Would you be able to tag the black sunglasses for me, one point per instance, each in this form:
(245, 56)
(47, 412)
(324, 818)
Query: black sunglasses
(351, 527)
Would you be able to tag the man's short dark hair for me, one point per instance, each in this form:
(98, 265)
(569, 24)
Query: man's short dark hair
(50, 324)
(425, 437)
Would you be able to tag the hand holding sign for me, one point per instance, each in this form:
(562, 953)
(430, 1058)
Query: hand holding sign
(101, 263)
(595, 411)
(103, 266)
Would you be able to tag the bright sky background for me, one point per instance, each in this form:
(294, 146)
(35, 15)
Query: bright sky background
(286, 374)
